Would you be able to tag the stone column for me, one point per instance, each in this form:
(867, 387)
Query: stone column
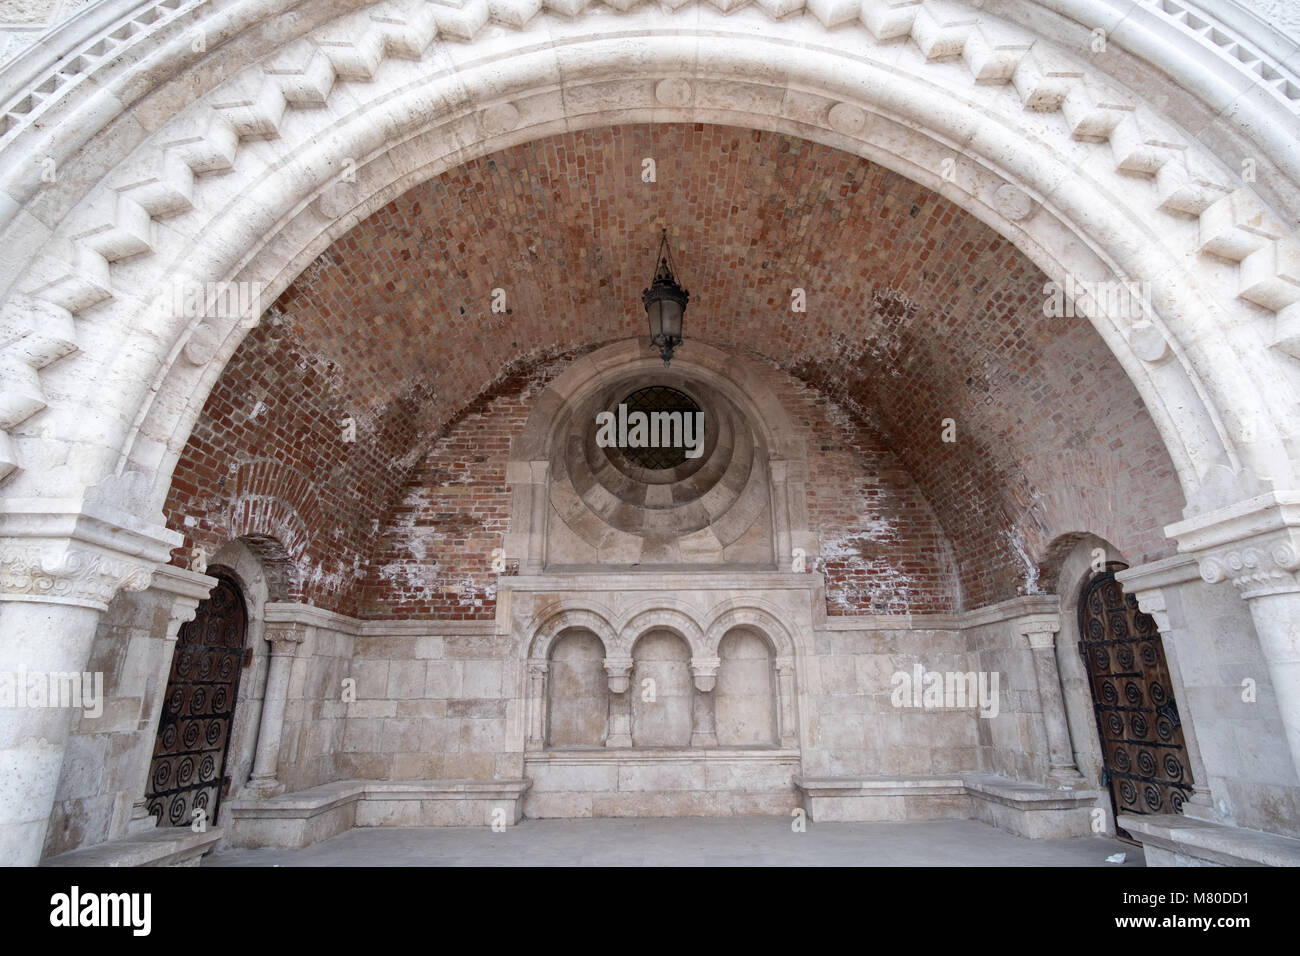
(704, 730)
(537, 704)
(187, 589)
(284, 639)
(620, 703)
(1041, 635)
(61, 563)
(1256, 545)
(786, 702)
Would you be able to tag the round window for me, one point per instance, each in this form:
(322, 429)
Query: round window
(671, 448)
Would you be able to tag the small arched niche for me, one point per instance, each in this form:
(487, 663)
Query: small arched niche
(745, 695)
(578, 691)
(662, 691)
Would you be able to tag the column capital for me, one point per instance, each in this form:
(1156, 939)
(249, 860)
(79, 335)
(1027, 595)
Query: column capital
(187, 588)
(705, 672)
(1255, 544)
(1148, 582)
(619, 670)
(284, 637)
(82, 551)
(1039, 629)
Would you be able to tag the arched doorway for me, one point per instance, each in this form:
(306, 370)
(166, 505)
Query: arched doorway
(1145, 764)
(189, 757)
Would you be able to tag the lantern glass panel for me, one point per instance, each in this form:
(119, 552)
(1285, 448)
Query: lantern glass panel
(671, 313)
(654, 312)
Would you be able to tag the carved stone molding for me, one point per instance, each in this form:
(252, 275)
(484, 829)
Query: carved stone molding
(1269, 564)
(188, 589)
(1255, 544)
(82, 551)
(85, 577)
(1148, 582)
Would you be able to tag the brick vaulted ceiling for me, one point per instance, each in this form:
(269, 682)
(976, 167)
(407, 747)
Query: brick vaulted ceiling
(916, 312)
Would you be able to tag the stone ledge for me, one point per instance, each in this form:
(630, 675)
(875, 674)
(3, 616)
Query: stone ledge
(660, 782)
(1021, 807)
(297, 820)
(1026, 794)
(690, 755)
(879, 786)
(164, 846)
(1176, 840)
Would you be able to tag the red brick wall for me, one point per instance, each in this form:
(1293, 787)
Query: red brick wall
(267, 459)
(434, 558)
(917, 312)
(883, 549)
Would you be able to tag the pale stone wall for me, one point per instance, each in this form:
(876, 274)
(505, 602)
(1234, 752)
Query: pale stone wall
(746, 692)
(1249, 774)
(578, 695)
(1013, 743)
(432, 703)
(854, 727)
(315, 716)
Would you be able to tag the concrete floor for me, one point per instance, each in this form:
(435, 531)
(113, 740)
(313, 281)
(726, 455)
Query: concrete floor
(747, 841)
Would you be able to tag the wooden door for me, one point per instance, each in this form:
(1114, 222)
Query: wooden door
(1141, 734)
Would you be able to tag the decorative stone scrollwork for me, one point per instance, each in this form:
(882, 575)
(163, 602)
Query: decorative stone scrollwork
(79, 576)
(1258, 568)
(847, 119)
(1013, 202)
(202, 345)
(284, 638)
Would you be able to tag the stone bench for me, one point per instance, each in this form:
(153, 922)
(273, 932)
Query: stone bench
(297, 820)
(1020, 807)
(163, 846)
(1176, 840)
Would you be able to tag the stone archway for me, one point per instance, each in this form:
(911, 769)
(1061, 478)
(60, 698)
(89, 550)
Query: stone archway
(1021, 170)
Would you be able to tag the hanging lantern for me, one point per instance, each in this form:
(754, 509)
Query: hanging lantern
(665, 305)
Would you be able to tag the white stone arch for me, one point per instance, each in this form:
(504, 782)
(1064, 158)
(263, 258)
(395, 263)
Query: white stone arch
(661, 615)
(552, 623)
(1201, 361)
(746, 613)
(534, 652)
